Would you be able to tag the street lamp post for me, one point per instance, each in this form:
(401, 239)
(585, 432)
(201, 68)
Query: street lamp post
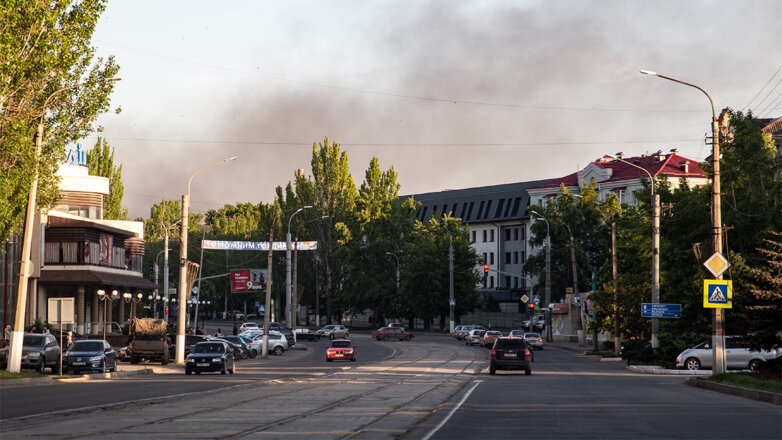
(451, 299)
(15, 348)
(133, 300)
(538, 216)
(655, 252)
(288, 266)
(106, 297)
(180, 337)
(267, 308)
(295, 286)
(718, 316)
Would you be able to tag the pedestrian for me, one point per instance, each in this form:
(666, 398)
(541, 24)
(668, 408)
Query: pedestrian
(8, 332)
(68, 339)
(219, 332)
(236, 329)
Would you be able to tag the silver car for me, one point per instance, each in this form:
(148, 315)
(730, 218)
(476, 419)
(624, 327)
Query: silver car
(738, 356)
(334, 331)
(534, 340)
(474, 337)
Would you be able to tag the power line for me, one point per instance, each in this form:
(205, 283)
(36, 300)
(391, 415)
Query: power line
(767, 94)
(761, 89)
(403, 95)
(401, 144)
(774, 103)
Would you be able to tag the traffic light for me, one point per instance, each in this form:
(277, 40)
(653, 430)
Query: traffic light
(485, 274)
(531, 307)
(166, 310)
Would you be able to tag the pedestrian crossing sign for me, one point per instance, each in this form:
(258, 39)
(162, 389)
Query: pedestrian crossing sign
(718, 294)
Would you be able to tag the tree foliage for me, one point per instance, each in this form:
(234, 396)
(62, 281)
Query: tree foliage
(100, 161)
(45, 52)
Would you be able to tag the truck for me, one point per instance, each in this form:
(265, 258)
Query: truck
(148, 340)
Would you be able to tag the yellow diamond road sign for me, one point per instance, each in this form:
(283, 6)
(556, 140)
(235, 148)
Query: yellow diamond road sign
(717, 264)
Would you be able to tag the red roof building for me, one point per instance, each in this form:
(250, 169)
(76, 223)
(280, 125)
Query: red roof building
(623, 177)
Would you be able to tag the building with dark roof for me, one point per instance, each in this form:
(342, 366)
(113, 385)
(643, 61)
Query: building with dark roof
(496, 219)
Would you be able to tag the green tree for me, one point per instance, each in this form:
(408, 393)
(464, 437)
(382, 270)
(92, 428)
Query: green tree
(45, 48)
(100, 161)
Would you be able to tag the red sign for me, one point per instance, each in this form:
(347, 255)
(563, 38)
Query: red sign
(247, 280)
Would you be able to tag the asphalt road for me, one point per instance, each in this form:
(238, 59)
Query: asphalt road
(21, 401)
(572, 396)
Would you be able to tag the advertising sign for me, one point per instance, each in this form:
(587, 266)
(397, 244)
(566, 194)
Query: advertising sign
(220, 245)
(248, 280)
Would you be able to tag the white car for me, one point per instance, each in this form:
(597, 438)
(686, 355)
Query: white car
(737, 355)
(248, 326)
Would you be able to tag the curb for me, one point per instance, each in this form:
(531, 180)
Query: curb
(49, 380)
(762, 396)
(654, 369)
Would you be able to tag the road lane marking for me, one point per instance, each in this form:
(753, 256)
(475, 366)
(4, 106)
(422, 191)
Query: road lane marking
(448, 417)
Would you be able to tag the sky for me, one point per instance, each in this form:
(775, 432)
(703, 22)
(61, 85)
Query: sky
(452, 94)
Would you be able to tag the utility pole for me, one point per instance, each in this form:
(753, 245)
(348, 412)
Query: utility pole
(655, 268)
(614, 276)
(268, 303)
(165, 277)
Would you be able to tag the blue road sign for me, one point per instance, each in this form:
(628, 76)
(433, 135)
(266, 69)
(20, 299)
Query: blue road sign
(452, 302)
(536, 298)
(262, 308)
(650, 310)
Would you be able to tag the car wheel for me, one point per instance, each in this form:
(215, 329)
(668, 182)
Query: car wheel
(197, 372)
(164, 359)
(278, 350)
(188, 372)
(113, 367)
(317, 338)
(103, 368)
(253, 354)
(528, 371)
(331, 336)
(492, 370)
(329, 360)
(407, 338)
(233, 369)
(42, 366)
(223, 370)
(754, 364)
(56, 367)
(352, 359)
(134, 360)
(692, 364)
(75, 372)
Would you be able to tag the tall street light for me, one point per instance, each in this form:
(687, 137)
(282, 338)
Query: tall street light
(288, 268)
(655, 252)
(451, 299)
(180, 337)
(106, 297)
(267, 307)
(15, 349)
(718, 316)
(295, 286)
(538, 216)
(133, 300)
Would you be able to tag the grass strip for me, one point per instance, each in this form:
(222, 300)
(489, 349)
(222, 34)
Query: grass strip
(748, 380)
(4, 374)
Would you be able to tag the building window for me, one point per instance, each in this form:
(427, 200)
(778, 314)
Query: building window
(485, 260)
(491, 281)
(523, 233)
(473, 236)
(491, 258)
(515, 234)
(515, 258)
(523, 259)
(484, 235)
(507, 257)
(491, 235)
(507, 282)
(507, 235)
(515, 283)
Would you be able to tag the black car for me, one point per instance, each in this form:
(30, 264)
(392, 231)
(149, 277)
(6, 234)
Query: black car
(510, 353)
(90, 355)
(210, 356)
(239, 350)
(247, 350)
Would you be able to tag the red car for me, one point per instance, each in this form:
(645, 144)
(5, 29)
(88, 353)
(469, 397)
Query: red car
(341, 349)
(392, 333)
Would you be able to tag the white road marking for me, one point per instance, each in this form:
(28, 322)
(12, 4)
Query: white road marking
(448, 417)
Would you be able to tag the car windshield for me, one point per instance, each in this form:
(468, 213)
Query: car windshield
(341, 344)
(34, 341)
(208, 348)
(87, 346)
(510, 344)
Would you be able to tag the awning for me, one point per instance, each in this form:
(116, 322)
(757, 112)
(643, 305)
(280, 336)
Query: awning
(94, 277)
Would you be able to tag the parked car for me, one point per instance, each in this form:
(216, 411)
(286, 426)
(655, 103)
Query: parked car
(210, 356)
(474, 336)
(289, 335)
(398, 333)
(738, 355)
(456, 331)
(396, 325)
(90, 355)
(306, 334)
(341, 349)
(277, 342)
(39, 352)
(538, 323)
(334, 331)
(488, 338)
(238, 349)
(534, 340)
(245, 344)
(190, 341)
(248, 326)
(510, 353)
